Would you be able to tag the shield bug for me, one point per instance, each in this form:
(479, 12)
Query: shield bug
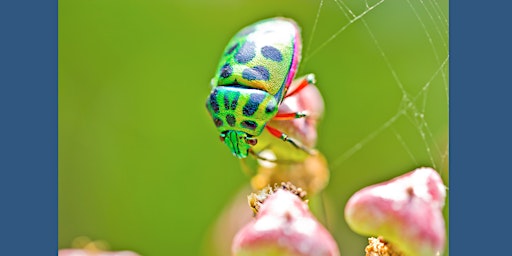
(253, 77)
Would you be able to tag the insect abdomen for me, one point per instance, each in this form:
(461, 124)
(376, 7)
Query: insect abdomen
(264, 56)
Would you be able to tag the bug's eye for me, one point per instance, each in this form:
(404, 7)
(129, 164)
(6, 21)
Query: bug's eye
(252, 141)
(221, 138)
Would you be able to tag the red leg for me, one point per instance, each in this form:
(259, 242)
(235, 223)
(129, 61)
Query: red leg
(308, 79)
(276, 133)
(289, 116)
(280, 135)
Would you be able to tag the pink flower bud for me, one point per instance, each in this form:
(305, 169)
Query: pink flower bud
(284, 226)
(406, 211)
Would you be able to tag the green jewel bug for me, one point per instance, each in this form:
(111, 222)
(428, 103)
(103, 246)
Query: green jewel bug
(253, 77)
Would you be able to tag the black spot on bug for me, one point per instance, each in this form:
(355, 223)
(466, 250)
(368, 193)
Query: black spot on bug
(249, 124)
(231, 49)
(270, 52)
(234, 103)
(256, 73)
(271, 106)
(231, 105)
(252, 105)
(226, 70)
(218, 122)
(213, 102)
(226, 101)
(231, 119)
(246, 53)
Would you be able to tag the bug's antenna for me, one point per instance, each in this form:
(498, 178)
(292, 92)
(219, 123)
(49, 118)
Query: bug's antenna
(276, 161)
(261, 157)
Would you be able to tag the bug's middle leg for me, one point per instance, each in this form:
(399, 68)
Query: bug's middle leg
(290, 116)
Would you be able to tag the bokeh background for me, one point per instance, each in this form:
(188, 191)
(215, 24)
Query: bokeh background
(140, 163)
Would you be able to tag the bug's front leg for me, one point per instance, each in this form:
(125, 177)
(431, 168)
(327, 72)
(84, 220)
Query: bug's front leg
(278, 134)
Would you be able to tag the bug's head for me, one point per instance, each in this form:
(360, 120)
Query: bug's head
(238, 142)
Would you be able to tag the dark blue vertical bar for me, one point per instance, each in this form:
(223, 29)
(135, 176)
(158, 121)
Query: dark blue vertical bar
(480, 127)
(28, 128)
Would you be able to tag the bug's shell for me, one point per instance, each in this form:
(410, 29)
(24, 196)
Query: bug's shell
(264, 56)
(257, 66)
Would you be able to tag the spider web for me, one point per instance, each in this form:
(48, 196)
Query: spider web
(420, 140)
(434, 23)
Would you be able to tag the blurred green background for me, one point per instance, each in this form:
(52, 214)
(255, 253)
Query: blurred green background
(140, 162)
